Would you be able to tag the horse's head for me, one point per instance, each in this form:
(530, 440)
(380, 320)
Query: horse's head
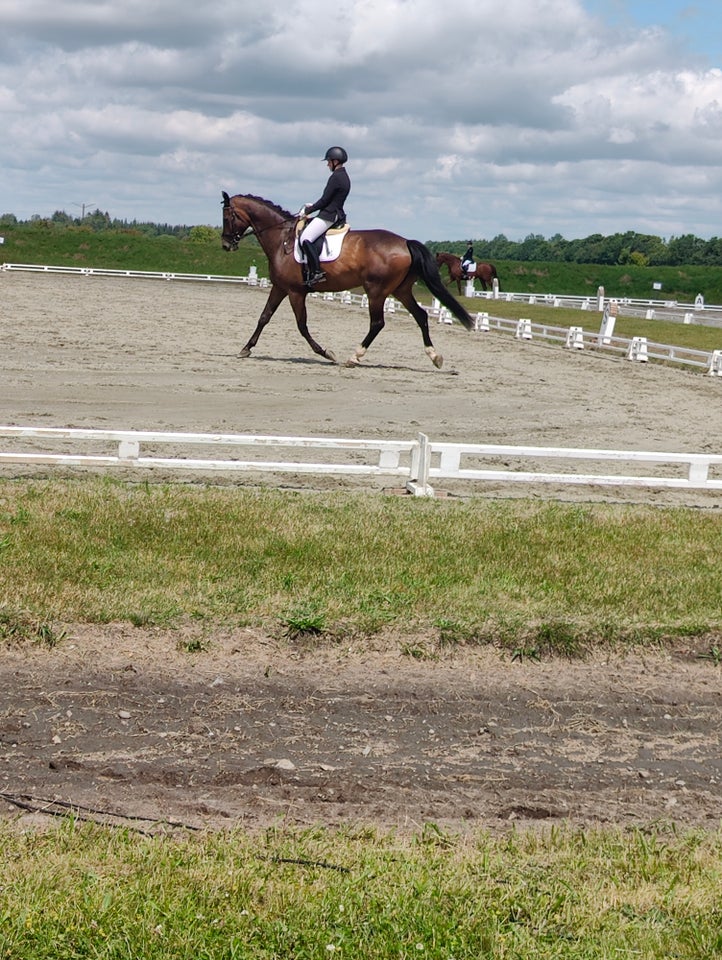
(234, 224)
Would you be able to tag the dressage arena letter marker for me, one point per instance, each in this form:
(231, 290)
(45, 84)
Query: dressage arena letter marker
(481, 322)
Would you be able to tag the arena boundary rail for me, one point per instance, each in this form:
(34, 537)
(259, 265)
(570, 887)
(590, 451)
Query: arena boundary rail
(416, 462)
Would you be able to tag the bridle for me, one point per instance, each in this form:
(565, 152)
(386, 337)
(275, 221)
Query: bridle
(238, 234)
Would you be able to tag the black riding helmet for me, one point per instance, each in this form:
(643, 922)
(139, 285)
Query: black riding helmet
(336, 153)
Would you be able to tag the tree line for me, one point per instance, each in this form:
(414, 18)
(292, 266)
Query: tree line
(97, 221)
(636, 249)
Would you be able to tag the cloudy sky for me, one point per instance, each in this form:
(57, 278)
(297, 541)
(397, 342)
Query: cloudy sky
(462, 118)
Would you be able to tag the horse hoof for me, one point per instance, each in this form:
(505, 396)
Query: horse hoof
(330, 355)
(245, 352)
(353, 362)
(438, 361)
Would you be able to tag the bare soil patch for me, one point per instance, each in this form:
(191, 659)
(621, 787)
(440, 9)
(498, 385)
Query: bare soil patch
(252, 733)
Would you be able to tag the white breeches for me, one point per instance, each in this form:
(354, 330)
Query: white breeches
(313, 229)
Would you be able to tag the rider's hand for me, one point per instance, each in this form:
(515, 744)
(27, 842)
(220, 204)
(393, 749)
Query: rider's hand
(302, 211)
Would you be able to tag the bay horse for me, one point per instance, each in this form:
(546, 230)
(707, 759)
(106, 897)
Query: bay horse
(485, 273)
(382, 263)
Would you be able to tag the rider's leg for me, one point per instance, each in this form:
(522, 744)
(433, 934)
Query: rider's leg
(313, 230)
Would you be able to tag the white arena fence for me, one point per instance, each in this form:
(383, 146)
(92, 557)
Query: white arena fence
(418, 462)
(637, 349)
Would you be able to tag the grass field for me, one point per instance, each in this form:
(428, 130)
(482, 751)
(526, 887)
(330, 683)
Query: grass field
(551, 577)
(84, 892)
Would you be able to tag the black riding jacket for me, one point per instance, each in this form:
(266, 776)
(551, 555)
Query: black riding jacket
(330, 204)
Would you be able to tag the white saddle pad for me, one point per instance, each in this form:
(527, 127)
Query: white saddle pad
(330, 248)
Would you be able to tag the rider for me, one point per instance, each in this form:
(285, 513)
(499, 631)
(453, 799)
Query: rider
(330, 212)
(467, 260)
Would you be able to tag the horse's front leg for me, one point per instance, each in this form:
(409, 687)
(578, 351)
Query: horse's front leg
(298, 303)
(275, 299)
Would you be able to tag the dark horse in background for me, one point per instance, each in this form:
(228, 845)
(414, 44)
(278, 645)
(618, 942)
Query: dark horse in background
(384, 264)
(485, 273)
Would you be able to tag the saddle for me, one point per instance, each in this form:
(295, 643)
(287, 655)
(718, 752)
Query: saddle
(329, 245)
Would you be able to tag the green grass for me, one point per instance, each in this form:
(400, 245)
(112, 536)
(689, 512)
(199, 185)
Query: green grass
(87, 892)
(525, 575)
(583, 279)
(127, 250)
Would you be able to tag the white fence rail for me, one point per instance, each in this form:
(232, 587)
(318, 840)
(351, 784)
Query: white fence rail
(417, 462)
(635, 348)
(650, 309)
(252, 279)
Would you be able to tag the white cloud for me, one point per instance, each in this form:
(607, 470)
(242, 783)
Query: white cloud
(468, 118)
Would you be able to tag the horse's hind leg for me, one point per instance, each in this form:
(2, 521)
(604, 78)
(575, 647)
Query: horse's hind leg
(376, 325)
(420, 315)
(275, 299)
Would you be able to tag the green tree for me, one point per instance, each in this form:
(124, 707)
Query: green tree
(203, 234)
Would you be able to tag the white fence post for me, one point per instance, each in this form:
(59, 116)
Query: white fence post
(638, 350)
(575, 339)
(523, 329)
(418, 482)
(715, 364)
(481, 322)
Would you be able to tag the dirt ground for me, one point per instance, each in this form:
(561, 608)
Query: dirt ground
(121, 722)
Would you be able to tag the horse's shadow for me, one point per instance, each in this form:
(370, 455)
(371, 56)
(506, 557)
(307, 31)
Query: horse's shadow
(316, 362)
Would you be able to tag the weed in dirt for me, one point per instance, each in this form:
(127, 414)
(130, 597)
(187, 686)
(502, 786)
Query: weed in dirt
(418, 651)
(519, 654)
(18, 628)
(305, 621)
(193, 645)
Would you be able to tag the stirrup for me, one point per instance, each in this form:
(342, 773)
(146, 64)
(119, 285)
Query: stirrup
(318, 277)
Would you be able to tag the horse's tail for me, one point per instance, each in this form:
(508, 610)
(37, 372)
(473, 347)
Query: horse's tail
(423, 264)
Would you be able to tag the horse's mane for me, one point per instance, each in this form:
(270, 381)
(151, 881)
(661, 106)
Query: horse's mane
(286, 214)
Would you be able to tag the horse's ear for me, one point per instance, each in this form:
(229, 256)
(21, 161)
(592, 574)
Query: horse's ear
(226, 199)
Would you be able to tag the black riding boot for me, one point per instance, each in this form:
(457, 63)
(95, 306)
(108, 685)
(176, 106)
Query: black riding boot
(314, 274)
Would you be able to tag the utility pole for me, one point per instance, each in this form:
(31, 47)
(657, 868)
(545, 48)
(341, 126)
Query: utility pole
(82, 208)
